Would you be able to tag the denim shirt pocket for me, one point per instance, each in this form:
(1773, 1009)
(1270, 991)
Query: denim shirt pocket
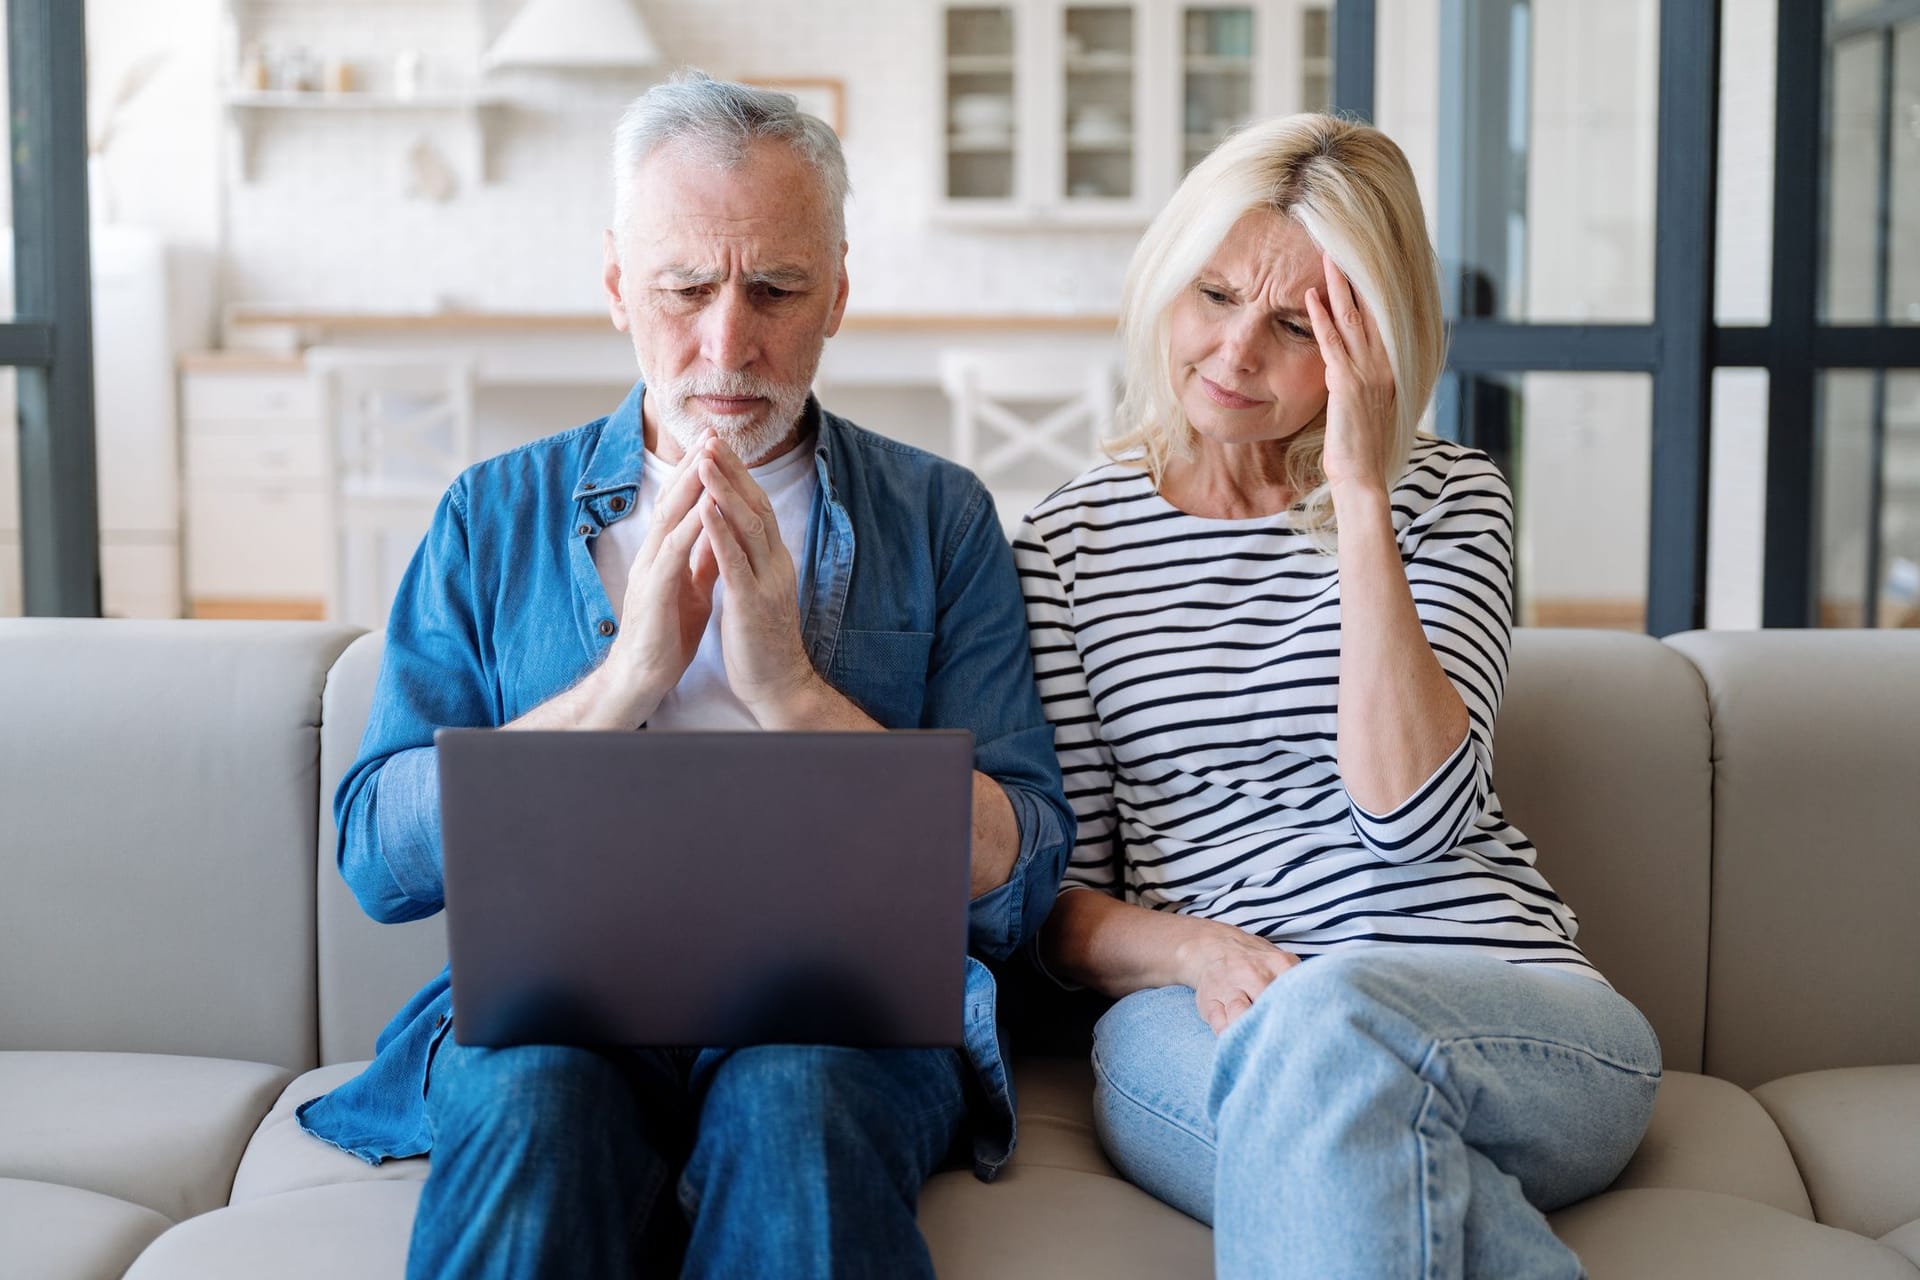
(885, 672)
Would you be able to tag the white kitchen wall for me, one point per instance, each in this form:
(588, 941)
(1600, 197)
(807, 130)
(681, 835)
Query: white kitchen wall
(326, 221)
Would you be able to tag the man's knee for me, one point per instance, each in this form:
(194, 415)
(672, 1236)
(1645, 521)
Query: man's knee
(781, 1093)
(520, 1092)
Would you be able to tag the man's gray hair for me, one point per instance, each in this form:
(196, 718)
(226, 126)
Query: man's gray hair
(721, 120)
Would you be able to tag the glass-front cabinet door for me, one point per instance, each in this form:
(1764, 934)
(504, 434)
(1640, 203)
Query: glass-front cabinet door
(1217, 74)
(1102, 112)
(983, 117)
(1089, 112)
(1238, 63)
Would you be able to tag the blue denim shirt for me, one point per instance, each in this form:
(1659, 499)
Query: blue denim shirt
(909, 606)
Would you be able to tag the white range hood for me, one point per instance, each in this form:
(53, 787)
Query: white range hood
(580, 34)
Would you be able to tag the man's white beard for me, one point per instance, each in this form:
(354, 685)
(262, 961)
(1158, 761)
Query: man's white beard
(753, 437)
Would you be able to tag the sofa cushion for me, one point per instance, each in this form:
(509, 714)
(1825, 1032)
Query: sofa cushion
(324, 1233)
(1709, 1135)
(1055, 1096)
(1602, 756)
(284, 1157)
(1044, 1222)
(1702, 1235)
(1815, 961)
(1855, 1133)
(160, 781)
(50, 1232)
(160, 1131)
(1905, 1240)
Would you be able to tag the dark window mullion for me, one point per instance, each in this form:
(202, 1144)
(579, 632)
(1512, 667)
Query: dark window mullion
(1798, 186)
(1688, 136)
(1498, 346)
(1353, 58)
(59, 498)
(1882, 291)
(25, 342)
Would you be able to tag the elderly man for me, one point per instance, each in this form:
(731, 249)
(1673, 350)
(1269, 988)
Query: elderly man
(719, 552)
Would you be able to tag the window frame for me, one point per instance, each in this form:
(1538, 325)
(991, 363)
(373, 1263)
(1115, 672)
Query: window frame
(49, 339)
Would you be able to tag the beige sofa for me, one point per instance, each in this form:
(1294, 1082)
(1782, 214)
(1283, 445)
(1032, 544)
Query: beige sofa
(1734, 815)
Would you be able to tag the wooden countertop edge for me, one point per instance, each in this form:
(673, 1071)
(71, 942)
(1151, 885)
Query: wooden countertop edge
(572, 322)
(235, 361)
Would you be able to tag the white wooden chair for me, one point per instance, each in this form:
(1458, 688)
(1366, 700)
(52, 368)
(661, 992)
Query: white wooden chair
(1026, 422)
(400, 428)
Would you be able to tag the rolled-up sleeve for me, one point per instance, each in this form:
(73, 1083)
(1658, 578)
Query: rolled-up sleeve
(387, 808)
(981, 678)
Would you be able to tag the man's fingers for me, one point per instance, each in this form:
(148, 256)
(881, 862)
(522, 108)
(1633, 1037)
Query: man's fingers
(676, 499)
(735, 566)
(742, 479)
(676, 548)
(702, 564)
(746, 521)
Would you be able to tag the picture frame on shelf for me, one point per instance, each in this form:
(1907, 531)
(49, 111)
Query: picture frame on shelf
(820, 96)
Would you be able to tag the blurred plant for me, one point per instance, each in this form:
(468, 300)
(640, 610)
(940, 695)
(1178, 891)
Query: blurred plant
(105, 123)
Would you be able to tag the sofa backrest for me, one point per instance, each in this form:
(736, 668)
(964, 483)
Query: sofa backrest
(1602, 756)
(158, 787)
(1815, 955)
(1733, 815)
(1602, 759)
(367, 970)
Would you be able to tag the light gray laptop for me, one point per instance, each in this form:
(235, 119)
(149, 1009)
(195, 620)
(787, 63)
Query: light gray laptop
(710, 889)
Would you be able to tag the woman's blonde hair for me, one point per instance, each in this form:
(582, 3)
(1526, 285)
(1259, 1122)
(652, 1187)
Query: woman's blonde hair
(1350, 188)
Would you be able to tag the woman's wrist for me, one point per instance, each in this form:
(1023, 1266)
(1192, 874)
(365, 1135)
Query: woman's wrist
(1354, 495)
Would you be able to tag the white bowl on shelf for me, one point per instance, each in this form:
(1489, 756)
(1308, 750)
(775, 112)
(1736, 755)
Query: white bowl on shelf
(981, 113)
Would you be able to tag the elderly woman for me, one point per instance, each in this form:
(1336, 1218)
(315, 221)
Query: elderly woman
(1353, 1030)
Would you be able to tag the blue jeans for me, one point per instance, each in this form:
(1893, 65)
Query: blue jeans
(1394, 1111)
(783, 1160)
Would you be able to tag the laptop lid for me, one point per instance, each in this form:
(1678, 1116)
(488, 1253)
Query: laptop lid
(710, 889)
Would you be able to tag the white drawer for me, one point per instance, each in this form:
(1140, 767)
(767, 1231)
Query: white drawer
(263, 541)
(252, 457)
(247, 397)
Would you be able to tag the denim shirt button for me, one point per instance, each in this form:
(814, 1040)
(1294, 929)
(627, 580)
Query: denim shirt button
(606, 626)
(585, 529)
(439, 1021)
(618, 505)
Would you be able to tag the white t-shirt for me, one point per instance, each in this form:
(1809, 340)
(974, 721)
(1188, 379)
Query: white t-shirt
(702, 699)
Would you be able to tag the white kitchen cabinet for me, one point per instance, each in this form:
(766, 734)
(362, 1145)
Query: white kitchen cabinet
(1070, 113)
(259, 522)
(136, 449)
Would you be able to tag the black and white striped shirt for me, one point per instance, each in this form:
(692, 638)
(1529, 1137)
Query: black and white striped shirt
(1190, 668)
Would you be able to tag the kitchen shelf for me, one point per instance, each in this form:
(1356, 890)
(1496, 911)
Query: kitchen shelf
(962, 64)
(1220, 64)
(246, 109)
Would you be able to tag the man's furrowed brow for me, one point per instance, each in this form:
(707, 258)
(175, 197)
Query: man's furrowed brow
(780, 277)
(687, 276)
